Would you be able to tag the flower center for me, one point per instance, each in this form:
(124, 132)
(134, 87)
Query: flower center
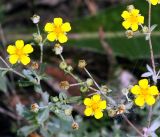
(133, 19)
(95, 106)
(144, 93)
(19, 52)
(58, 30)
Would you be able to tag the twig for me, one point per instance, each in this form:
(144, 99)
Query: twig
(10, 114)
(130, 123)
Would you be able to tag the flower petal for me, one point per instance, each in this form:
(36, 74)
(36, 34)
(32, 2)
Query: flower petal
(96, 97)
(11, 49)
(88, 111)
(103, 104)
(98, 114)
(135, 12)
(135, 90)
(58, 21)
(150, 100)
(153, 90)
(19, 44)
(134, 27)
(140, 19)
(125, 14)
(139, 101)
(13, 59)
(27, 49)
(154, 2)
(126, 24)
(66, 27)
(62, 38)
(49, 27)
(87, 101)
(25, 60)
(143, 83)
(51, 36)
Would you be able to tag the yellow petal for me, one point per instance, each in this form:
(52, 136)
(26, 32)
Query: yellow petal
(49, 27)
(135, 90)
(13, 59)
(19, 44)
(27, 49)
(126, 24)
(87, 101)
(125, 14)
(139, 101)
(62, 38)
(25, 60)
(154, 2)
(103, 104)
(58, 21)
(96, 97)
(143, 83)
(134, 27)
(150, 100)
(135, 12)
(98, 114)
(66, 27)
(88, 111)
(51, 36)
(153, 90)
(140, 19)
(11, 49)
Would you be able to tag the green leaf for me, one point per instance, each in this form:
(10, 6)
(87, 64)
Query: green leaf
(25, 83)
(74, 99)
(26, 130)
(3, 83)
(43, 115)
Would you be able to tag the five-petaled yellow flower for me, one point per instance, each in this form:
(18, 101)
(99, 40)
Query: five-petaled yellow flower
(19, 52)
(154, 2)
(144, 93)
(57, 30)
(94, 106)
(132, 19)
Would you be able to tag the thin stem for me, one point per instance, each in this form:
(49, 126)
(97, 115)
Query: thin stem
(130, 123)
(152, 57)
(40, 44)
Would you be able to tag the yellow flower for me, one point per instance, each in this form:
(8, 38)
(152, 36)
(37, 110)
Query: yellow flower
(94, 106)
(19, 52)
(132, 19)
(154, 2)
(57, 30)
(144, 93)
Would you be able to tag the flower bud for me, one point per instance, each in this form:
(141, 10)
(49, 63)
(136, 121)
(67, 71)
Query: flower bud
(111, 113)
(64, 85)
(84, 89)
(34, 107)
(63, 65)
(104, 88)
(82, 64)
(145, 29)
(75, 126)
(34, 65)
(121, 109)
(68, 111)
(37, 38)
(130, 7)
(35, 19)
(129, 34)
(58, 49)
(70, 68)
(55, 99)
(89, 82)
